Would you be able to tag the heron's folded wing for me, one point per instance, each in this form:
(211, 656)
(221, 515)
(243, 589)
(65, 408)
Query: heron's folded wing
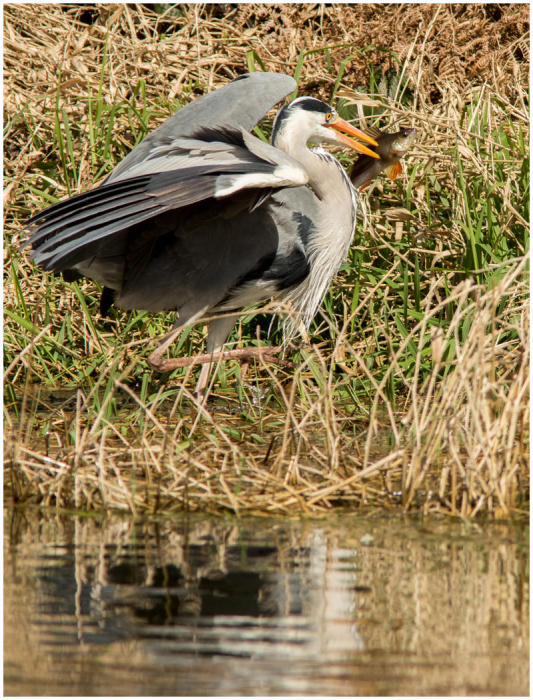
(195, 170)
(240, 103)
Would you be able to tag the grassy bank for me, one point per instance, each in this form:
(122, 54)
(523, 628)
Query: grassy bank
(414, 389)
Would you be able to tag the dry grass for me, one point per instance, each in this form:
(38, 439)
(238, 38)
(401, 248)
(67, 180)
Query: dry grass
(415, 391)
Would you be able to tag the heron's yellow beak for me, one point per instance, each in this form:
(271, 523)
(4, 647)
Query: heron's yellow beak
(339, 125)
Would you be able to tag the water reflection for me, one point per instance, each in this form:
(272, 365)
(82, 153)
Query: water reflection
(198, 606)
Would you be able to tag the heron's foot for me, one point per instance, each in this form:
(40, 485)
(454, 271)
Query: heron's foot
(161, 364)
(157, 362)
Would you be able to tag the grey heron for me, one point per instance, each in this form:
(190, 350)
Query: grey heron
(205, 219)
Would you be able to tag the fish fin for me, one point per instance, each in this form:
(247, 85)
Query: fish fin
(394, 170)
(364, 185)
(373, 132)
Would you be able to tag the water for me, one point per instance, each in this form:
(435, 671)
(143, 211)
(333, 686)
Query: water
(205, 606)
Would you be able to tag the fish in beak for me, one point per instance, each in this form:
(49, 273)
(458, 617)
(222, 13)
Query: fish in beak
(341, 127)
(391, 149)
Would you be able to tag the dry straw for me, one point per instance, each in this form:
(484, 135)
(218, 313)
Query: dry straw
(441, 423)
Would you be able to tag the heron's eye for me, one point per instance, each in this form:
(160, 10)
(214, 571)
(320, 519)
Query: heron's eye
(329, 116)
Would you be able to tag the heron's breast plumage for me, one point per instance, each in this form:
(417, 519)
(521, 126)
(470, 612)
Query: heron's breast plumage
(327, 243)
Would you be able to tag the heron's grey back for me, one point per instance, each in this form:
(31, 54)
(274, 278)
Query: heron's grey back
(241, 103)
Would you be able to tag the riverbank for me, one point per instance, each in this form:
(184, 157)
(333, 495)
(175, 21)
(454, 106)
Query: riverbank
(414, 391)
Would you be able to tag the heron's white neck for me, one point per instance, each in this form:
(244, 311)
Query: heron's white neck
(327, 178)
(332, 232)
(322, 176)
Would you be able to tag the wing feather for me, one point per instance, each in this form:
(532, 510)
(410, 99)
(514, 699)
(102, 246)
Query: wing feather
(239, 104)
(202, 152)
(65, 231)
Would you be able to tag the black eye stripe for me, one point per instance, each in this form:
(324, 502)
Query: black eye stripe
(309, 104)
(312, 105)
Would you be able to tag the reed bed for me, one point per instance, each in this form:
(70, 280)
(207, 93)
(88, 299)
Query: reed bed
(413, 391)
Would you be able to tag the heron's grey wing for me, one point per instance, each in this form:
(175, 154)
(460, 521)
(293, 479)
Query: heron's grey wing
(226, 162)
(239, 104)
(219, 265)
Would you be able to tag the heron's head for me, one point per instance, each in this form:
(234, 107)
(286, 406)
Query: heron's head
(309, 119)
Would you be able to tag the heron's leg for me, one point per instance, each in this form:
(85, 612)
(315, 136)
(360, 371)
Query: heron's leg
(202, 381)
(265, 352)
(156, 359)
(245, 366)
(219, 329)
(247, 354)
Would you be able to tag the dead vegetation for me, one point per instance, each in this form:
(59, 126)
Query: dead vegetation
(415, 392)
